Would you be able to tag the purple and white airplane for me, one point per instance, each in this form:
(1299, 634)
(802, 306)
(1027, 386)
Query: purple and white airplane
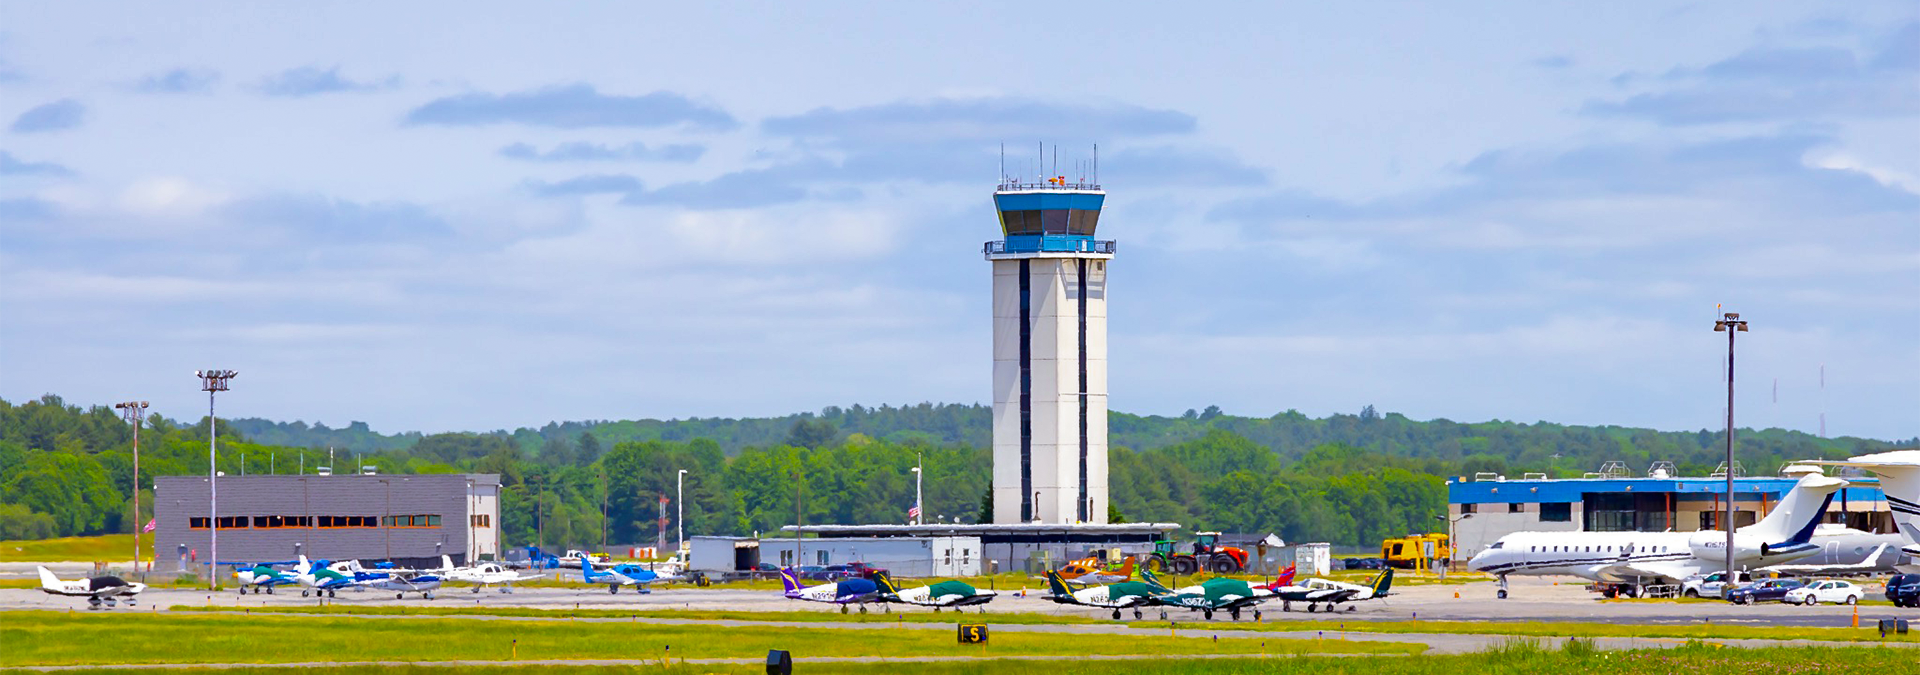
(850, 591)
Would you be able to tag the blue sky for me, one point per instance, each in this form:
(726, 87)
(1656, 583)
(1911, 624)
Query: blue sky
(435, 216)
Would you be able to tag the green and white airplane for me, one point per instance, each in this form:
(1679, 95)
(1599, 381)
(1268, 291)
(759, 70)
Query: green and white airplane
(942, 594)
(1217, 594)
(1123, 595)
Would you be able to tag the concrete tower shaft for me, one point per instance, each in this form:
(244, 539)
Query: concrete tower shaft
(1049, 355)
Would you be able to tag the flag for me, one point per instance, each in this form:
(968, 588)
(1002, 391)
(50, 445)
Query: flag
(913, 512)
(150, 525)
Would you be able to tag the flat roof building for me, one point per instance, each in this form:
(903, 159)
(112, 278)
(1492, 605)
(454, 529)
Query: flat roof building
(411, 519)
(1481, 511)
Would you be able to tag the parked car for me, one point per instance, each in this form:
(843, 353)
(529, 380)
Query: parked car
(1365, 563)
(864, 570)
(1771, 590)
(1830, 590)
(1712, 585)
(812, 572)
(1904, 590)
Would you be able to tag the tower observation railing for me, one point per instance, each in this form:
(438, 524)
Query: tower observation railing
(1048, 244)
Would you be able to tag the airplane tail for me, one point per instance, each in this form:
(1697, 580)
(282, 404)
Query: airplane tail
(1383, 582)
(1791, 522)
(1149, 578)
(304, 567)
(586, 570)
(47, 580)
(790, 578)
(1057, 585)
(884, 582)
(1285, 578)
(1899, 473)
(446, 563)
(1126, 569)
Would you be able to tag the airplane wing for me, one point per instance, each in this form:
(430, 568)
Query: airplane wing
(1671, 572)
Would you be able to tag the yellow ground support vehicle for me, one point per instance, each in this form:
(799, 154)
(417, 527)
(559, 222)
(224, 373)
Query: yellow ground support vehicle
(1410, 552)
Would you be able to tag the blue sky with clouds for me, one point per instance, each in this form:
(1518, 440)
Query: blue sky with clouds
(441, 216)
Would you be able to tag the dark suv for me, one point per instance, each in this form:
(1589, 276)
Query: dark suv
(1904, 590)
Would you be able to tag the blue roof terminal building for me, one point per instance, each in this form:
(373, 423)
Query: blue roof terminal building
(1485, 508)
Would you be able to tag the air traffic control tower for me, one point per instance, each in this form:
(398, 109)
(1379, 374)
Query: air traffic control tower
(1049, 354)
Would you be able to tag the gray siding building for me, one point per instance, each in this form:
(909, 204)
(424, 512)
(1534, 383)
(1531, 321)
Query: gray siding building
(410, 519)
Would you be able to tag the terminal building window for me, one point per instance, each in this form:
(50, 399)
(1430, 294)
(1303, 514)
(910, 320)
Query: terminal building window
(1516, 507)
(482, 520)
(412, 521)
(1556, 512)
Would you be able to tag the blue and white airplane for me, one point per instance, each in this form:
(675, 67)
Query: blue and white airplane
(849, 591)
(620, 575)
(263, 576)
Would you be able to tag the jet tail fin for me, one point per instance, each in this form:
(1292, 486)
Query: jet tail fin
(1792, 521)
(446, 563)
(884, 582)
(1383, 582)
(1057, 585)
(47, 579)
(790, 579)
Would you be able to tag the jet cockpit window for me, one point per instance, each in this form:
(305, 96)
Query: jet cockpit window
(1495, 545)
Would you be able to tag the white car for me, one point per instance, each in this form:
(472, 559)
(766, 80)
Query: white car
(1831, 590)
(1712, 585)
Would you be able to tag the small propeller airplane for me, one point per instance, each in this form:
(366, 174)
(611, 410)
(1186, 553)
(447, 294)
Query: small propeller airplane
(1217, 594)
(1317, 592)
(1087, 571)
(101, 590)
(263, 576)
(1115, 596)
(402, 582)
(482, 575)
(621, 575)
(949, 593)
(848, 591)
(320, 579)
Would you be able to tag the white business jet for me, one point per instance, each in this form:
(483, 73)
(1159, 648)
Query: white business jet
(1635, 559)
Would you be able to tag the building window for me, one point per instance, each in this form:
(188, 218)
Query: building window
(1516, 508)
(197, 523)
(233, 522)
(1469, 508)
(482, 520)
(1556, 512)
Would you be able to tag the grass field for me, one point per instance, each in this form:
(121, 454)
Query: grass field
(1515, 659)
(1865, 633)
(110, 548)
(56, 638)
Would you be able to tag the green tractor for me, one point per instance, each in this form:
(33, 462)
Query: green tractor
(1207, 554)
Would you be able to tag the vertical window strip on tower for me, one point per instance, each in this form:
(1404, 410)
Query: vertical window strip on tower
(1082, 506)
(1026, 391)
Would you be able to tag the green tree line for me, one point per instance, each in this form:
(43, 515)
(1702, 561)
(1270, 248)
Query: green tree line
(1346, 479)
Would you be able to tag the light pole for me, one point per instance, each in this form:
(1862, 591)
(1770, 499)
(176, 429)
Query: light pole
(134, 411)
(919, 507)
(213, 381)
(1729, 323)
(680, 511)
(1452, 545)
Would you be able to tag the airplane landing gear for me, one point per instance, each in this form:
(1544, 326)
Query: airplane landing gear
(269, 590)
(1136, 614)
(93, 604)
(427, 595)
(1116, 615)
(863, 609)
(303, 594)
(1234, 613)
(1503, 588)
(329, 594)
(1311, 608)
(843, 609)
(1163, 615)
(613, 589)
(1208, 613)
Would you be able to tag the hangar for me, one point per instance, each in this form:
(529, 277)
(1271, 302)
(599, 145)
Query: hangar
(1486, 507)
(410, 519)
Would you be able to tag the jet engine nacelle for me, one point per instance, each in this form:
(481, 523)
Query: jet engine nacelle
(1712, 545)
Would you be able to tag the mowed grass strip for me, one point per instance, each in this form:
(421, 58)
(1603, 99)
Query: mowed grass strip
(913, 615)
(61, 638)
(1704, 631)
(108, 547)
(1693, 660)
